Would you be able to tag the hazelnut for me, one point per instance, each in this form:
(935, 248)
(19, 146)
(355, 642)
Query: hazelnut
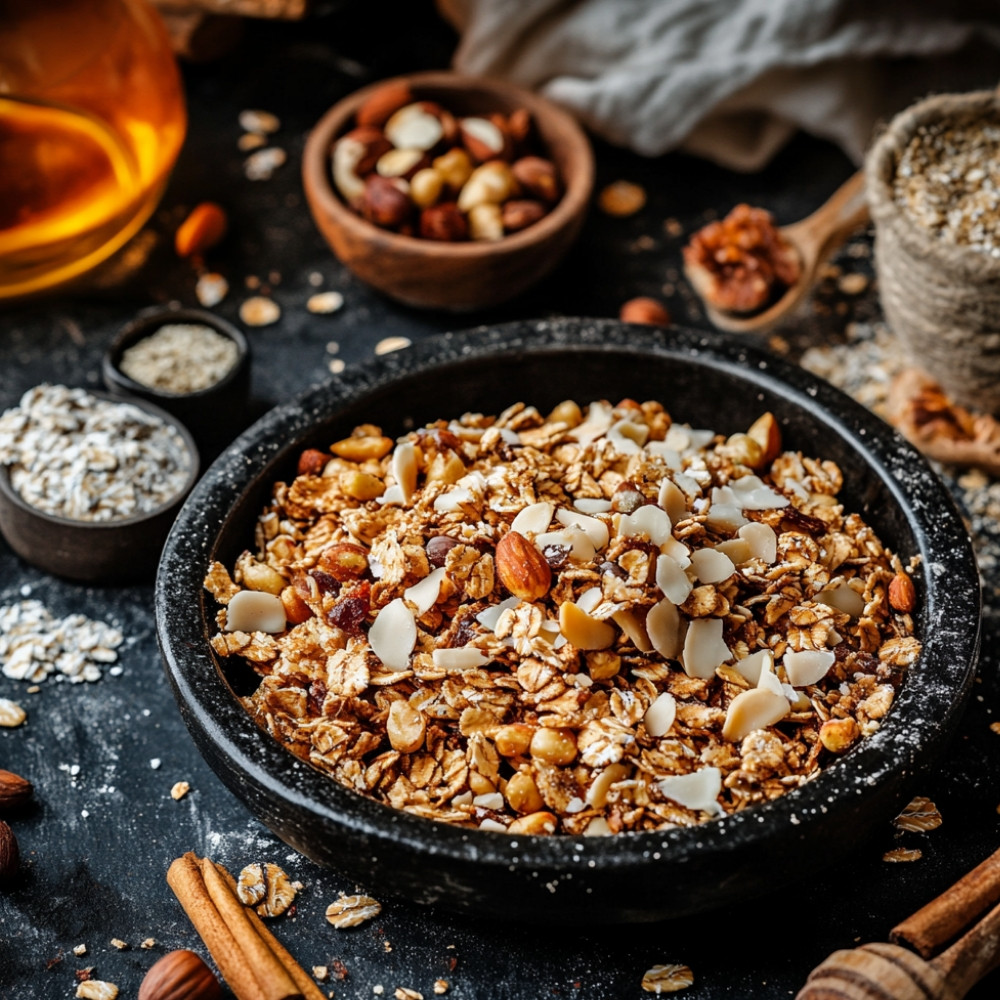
(312, 462)
(426, 186)
(383, 102)
(443, 222)
(455, 167)
(644, 310)
(519, 213)
(180, 975)
(384, 204)
(10, 856)
(537, 177)
(343, 561)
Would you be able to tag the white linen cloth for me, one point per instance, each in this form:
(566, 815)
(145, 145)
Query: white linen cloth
(730, 80)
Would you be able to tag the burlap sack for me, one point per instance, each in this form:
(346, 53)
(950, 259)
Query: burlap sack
(941, 300)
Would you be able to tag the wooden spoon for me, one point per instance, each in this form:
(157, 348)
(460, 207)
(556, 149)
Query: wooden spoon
(891, 972)
(815, 238)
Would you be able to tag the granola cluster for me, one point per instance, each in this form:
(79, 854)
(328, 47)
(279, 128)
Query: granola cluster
(592, 622)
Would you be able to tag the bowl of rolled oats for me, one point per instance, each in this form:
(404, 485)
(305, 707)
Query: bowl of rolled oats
(90, 485)
(549, 620)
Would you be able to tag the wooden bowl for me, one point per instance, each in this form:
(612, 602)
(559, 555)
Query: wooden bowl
(454, 276)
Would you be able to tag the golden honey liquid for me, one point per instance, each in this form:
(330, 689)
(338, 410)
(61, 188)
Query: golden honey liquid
(91, 121)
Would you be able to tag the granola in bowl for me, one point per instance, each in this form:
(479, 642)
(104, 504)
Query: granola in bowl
(589, 622)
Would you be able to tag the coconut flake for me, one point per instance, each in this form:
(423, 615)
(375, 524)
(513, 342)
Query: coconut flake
(755, 494)
(807, 666)
(660, 715)
(425, 593)
(628, 437)
(404, 469)
(704, 649)
(672, 499)
(574, 539)
(842, 597)
(762, 540)
(648, 520)
(594, 528)
(592, 505)
(663, 626)
(698, 790)
(757, 708)
(533, 519)
(393, 635)
(489, 617)
(751, 666)
(711, 566)
(255, 611)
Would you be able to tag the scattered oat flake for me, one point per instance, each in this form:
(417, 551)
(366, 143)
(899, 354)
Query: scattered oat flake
(667, 978)
(320, 973)
(621, 198)
(80, 949)
(441, 986)
(349, 911)
(260, 311)
(337, 365)
(148, 943)
(11, 714)
(261, 165)
(919, 816)
(325, 302)
(403, 993)
(389, 344)
(898, 854)
(259, 122)
(96, 989)
(179, 790)
(119, 944)
(211, 289)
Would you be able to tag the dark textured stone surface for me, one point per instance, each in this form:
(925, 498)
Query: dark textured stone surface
(88, 878)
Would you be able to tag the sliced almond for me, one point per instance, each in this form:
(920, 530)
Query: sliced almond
(597, 793)
(425, 594)
(583, 631)
(807, 666)
(750, 667)
(704, 649)
(648, 520)
(405, 727)
(255, 611)
(393, 635)
(711, 565)
(698, 790)
(660, 715)
(593, 527)
(842, 597)
(663, 626)
(460, 658)
(757, 708)
(671, 498)
(404, 469)
(762, 540)
(634, 627)
(413, 127)
(533, 519)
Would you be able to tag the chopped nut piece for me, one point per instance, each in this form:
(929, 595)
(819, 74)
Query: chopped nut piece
(441, 986)
(96, 989)
(919, 816)
(80, 949)
(148, 943)
(898, 854)
(11, 714)
(179, 790)
(325, 302)
(119, 944)
(260, 311)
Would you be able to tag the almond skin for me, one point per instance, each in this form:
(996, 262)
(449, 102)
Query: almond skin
(180, 975)
(14, 790)
(522, 568)
(902, 593)
(10, 856)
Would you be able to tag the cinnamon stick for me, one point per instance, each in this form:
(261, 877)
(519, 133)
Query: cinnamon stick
(271, 974)
(944, 918)
(302, 980)
(184, 877)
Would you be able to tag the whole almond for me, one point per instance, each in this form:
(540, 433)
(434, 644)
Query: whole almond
(201, 230)
(381, 104)
(10, 856)
(14, 790)
(522, 568)
(644, 310)
(180, 975)
(519, 213)
(902, 593)
(538, 177)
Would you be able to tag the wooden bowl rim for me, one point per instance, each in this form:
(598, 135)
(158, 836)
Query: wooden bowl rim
(325, 200)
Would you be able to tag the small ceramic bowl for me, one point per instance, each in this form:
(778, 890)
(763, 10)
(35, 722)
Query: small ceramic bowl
(453, 276)
(213, 415)
(120, 551)
(706, 379)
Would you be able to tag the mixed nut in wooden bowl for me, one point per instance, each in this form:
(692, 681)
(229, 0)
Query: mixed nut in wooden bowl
(418, 662)
(446, 191)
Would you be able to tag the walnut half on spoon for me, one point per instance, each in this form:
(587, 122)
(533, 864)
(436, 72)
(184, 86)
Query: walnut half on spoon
(738, 265)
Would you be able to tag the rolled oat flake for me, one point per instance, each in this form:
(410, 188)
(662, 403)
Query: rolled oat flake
(180, 358)
(77, 456)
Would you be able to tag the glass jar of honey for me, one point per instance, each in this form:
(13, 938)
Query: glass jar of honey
(91, 121)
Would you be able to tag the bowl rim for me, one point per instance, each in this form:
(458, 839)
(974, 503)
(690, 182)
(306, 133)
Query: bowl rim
(14, 498)
(262, 762)
(147, 322)
(323, 197)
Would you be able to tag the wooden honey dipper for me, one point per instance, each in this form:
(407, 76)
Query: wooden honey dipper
(893, 972)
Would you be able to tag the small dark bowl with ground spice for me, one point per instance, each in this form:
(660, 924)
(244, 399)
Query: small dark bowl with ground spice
(188, 362)
(706, 380)
(98, 507)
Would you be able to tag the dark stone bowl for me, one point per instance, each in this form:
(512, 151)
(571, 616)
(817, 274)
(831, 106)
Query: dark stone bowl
(121, 551)
(706, 379)
(213, 415)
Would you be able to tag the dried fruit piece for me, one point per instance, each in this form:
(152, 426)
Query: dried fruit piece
(522, 569)
(349, 911)
(180, 975)
(204, 227)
